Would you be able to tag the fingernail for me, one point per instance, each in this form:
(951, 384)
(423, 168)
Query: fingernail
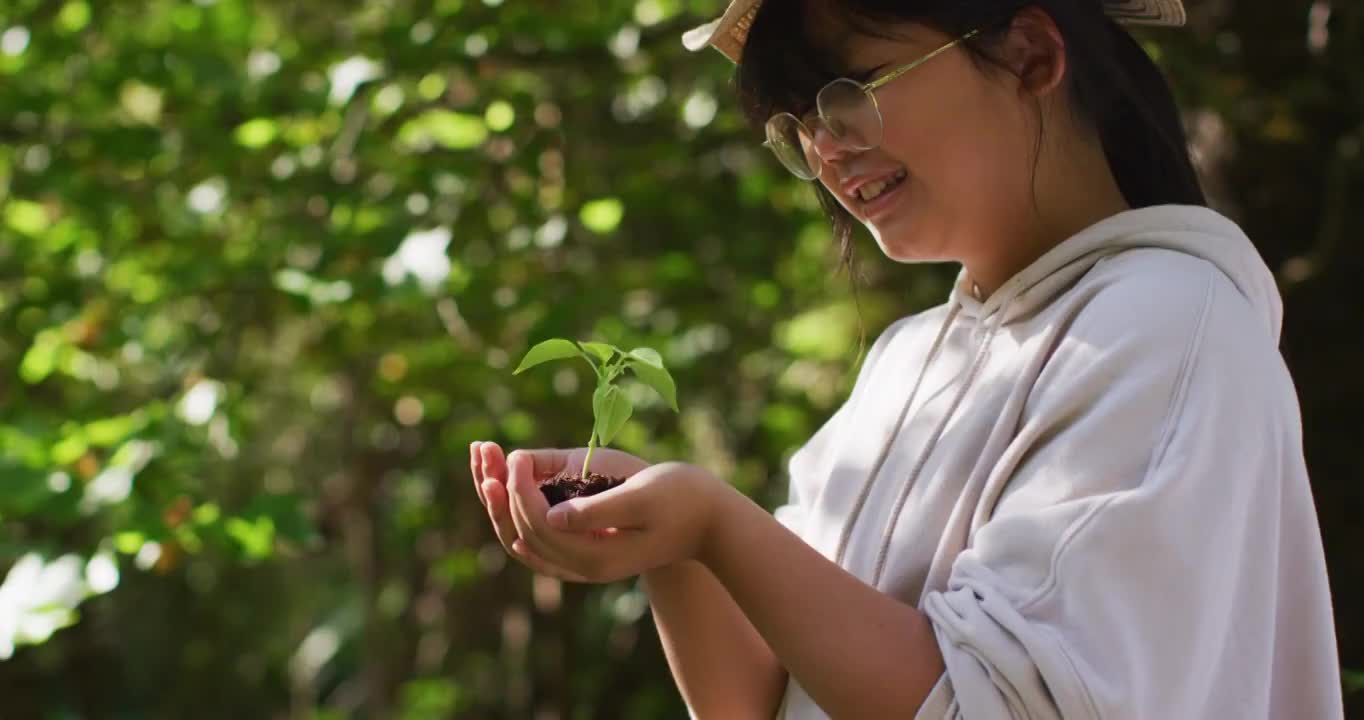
(558, 518)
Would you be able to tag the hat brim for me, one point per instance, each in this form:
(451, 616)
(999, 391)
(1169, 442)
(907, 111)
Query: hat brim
(728, 32)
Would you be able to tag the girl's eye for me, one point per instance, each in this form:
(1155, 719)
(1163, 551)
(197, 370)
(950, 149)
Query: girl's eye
(866, 76)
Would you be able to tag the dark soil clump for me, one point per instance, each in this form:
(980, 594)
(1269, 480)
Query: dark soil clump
(567, 485)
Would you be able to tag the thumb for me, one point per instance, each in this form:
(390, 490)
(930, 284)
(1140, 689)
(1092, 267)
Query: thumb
(613, 508)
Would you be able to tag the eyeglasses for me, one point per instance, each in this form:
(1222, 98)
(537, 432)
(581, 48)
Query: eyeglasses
(848, 109)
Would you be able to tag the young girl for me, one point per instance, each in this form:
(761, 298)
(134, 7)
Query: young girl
(1074, 490)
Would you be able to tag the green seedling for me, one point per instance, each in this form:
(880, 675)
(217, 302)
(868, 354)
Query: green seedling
(610, 405)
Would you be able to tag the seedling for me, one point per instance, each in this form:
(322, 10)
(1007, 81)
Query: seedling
(611, 407)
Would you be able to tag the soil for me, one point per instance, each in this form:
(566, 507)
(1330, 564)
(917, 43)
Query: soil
(568, 484)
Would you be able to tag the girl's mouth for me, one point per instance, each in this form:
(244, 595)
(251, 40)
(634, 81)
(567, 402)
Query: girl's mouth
(879, 196)
(874, 189)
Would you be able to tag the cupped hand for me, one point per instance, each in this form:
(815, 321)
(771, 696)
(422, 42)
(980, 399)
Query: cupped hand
(661, 515)
(488, 466)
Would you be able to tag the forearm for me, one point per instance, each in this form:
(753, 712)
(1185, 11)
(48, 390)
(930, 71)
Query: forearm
(857, 652)
(722, 666)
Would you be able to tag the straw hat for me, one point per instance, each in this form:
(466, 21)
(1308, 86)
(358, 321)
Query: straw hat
(728, 32)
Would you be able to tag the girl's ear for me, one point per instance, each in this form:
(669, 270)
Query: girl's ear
(1035, 51)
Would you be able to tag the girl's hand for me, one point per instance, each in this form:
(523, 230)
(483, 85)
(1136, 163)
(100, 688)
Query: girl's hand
(488, 466)
(661, 515)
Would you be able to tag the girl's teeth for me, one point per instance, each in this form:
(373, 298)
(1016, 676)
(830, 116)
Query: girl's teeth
(871, 190)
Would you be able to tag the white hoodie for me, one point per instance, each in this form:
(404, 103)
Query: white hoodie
(1093, 485)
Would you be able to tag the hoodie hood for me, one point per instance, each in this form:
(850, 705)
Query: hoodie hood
(1189, 229)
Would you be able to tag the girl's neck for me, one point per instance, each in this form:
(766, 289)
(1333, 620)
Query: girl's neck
(1075, 188)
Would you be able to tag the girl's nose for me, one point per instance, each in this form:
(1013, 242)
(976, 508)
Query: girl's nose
(825, 144)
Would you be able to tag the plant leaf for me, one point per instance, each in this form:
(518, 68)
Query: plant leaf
(601, 350)
(555, 349)
(649, 355)
(611, 408)
(648, 366)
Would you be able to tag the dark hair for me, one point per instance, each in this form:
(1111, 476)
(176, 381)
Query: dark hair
(1114, 84)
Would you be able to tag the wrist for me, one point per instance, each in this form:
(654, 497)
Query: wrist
(671, 575)
(725, 504)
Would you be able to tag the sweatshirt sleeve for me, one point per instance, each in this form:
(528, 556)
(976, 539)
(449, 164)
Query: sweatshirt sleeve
(1121, 572)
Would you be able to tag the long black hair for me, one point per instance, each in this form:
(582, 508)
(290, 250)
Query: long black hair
(1114, 85)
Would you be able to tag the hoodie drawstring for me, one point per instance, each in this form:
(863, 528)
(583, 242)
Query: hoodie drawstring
(885, 450)
(981, 354)
(976, 364)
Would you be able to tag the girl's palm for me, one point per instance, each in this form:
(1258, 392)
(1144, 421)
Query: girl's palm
(488, 462)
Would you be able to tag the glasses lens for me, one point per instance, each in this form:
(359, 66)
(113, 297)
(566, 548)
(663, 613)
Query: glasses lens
(850, 114)
(791, 143)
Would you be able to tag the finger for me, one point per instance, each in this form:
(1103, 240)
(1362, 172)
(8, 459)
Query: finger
(494, 463)
(515, 470)
(527, 556)
(528, 507)
(499, 510)
(615, 508)
(476, 470)
(519, 485)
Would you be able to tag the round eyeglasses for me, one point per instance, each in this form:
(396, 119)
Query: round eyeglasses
(847, 109)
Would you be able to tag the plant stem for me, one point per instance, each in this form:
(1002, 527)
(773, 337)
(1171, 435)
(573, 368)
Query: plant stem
(591, 445)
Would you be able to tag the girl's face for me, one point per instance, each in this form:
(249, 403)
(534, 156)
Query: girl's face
(955, 150)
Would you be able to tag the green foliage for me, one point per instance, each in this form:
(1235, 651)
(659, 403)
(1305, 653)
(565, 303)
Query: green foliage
(602, 216)
(262, 263)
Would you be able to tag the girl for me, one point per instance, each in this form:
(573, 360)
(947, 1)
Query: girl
(1074, 490)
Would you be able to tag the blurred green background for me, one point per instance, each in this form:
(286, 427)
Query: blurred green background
(266, 267)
